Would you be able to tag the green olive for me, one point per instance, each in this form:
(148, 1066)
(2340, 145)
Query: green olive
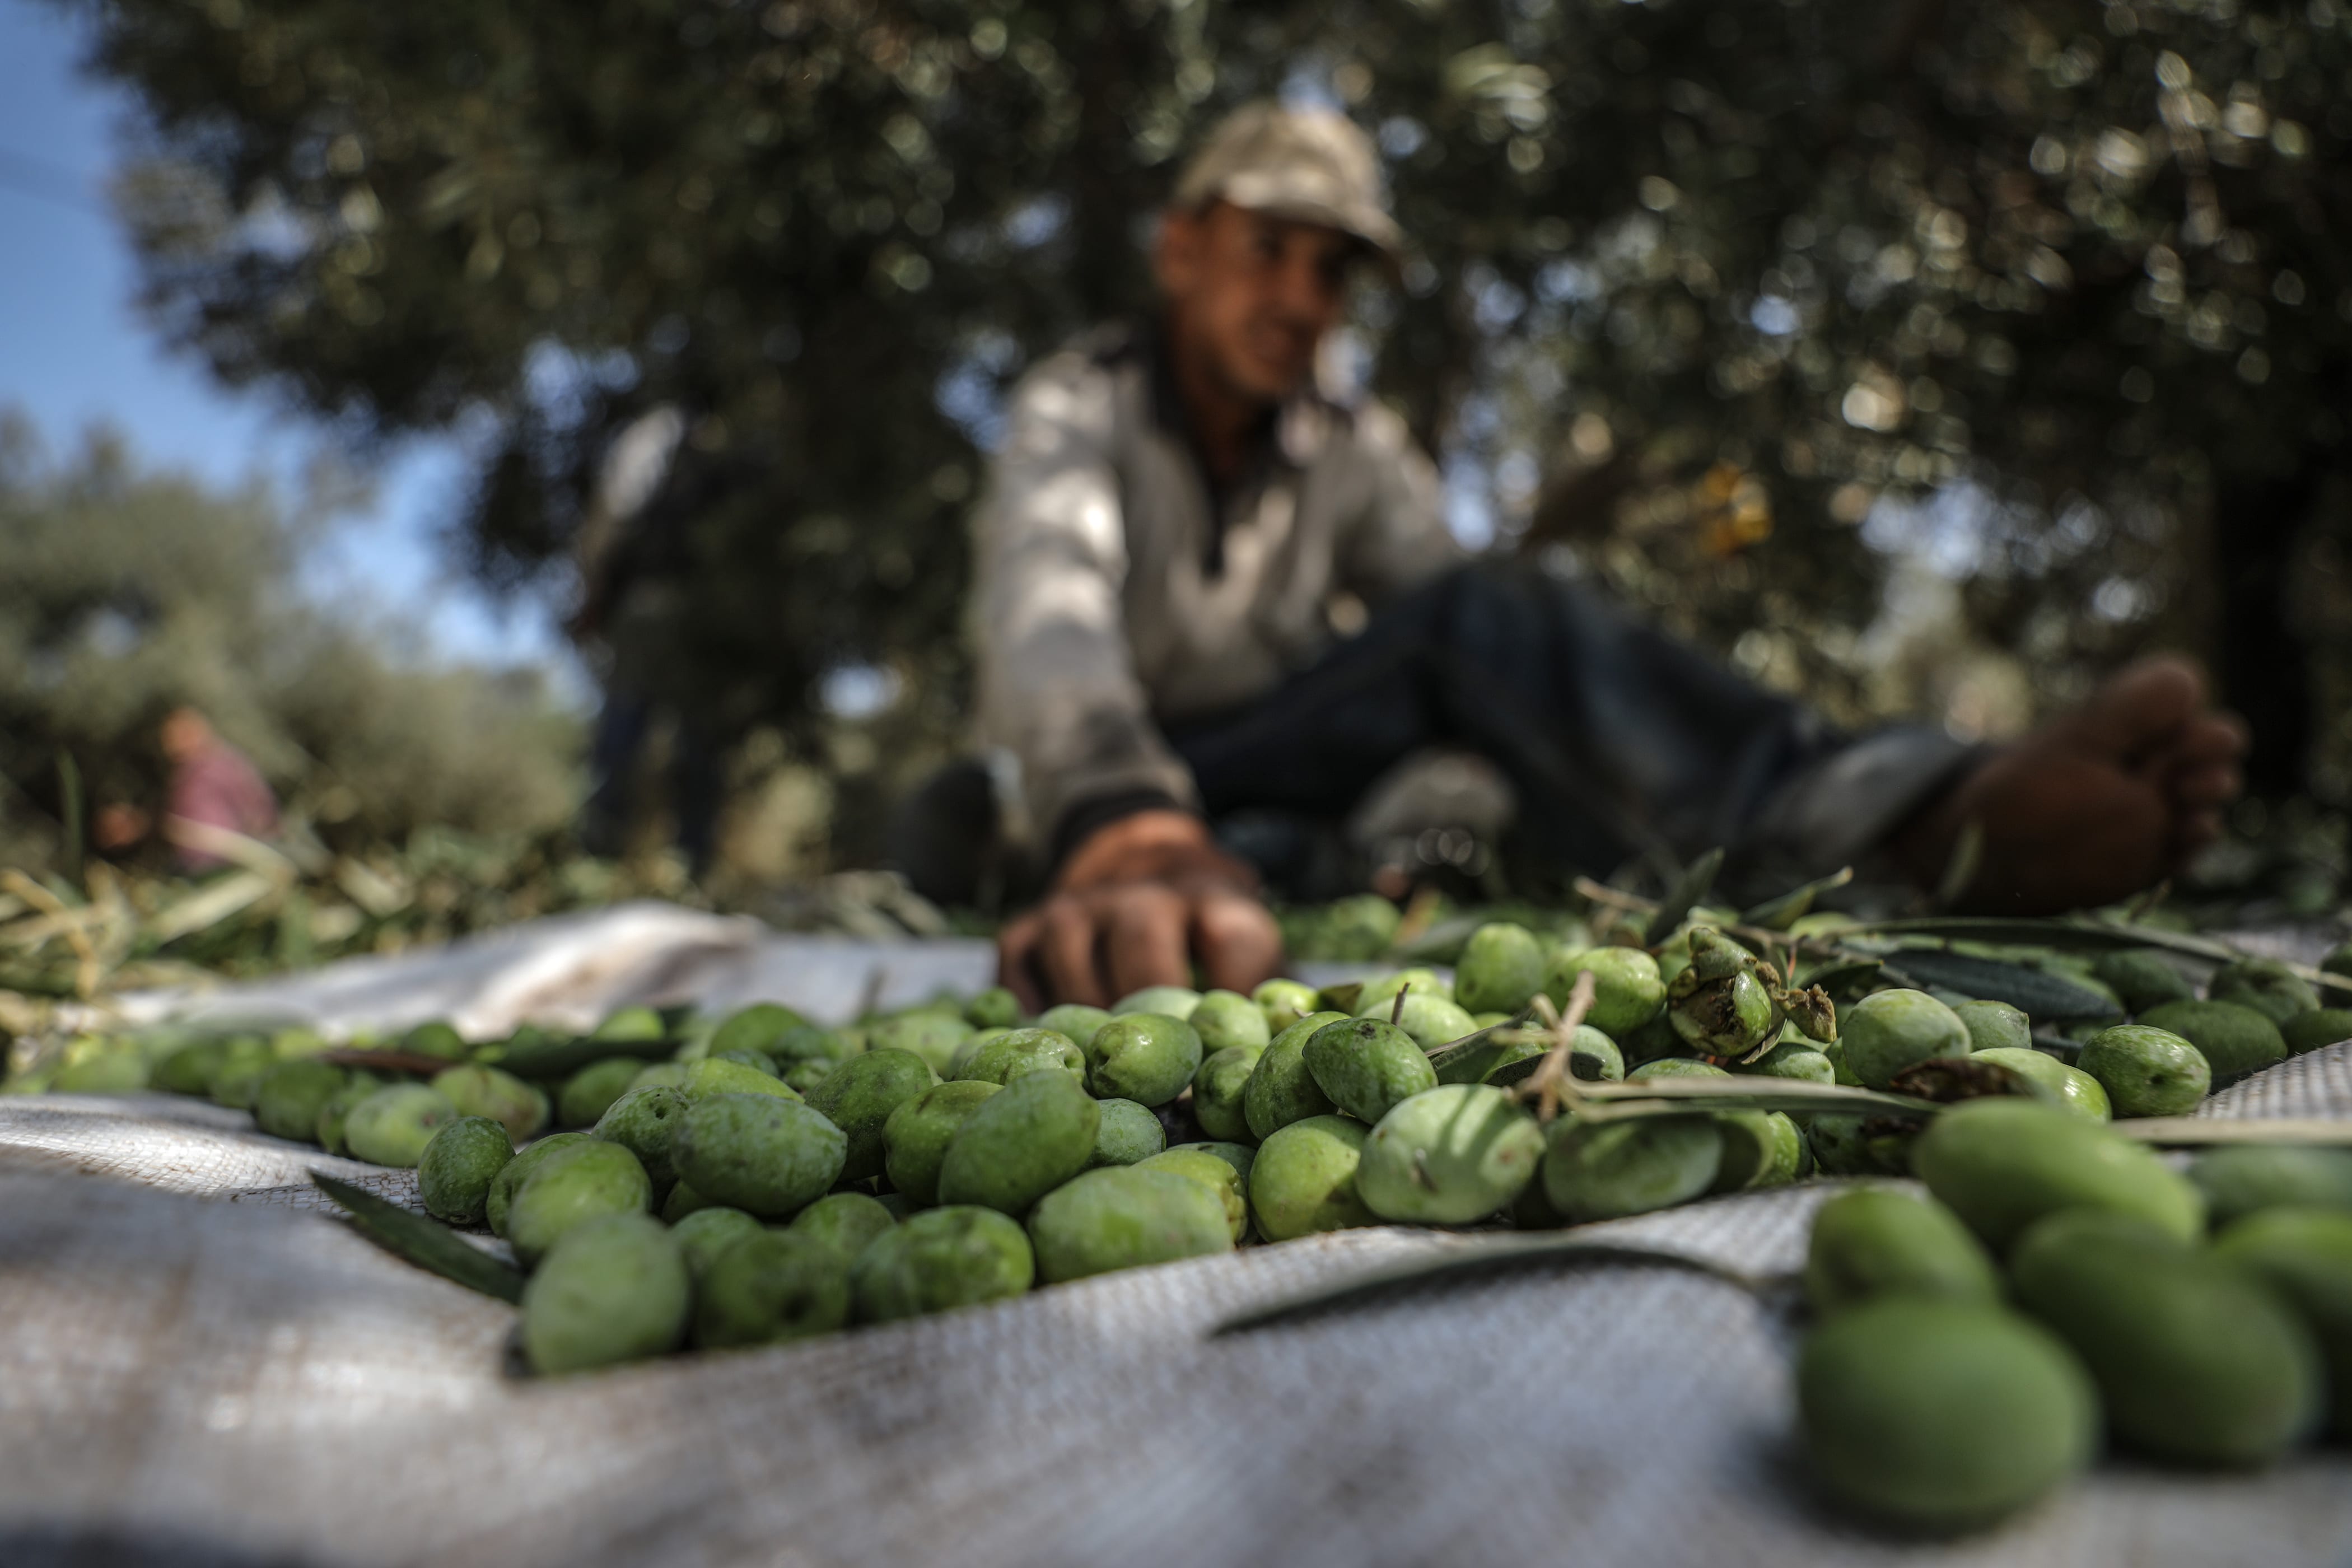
(859, 1096)
(941, 1260)
(2197, 1362)
(1225, 1020)
(757, 1027)
(1127, 1133)
(2264, 985)
(1995, 1026)
(583, 1181)
(2003, 1164)
(1879, 1241)
(2145, 1071)
(1125, 1216)
(1450, 1155)
(1618, 1168)
(2053, 1080)
(454, 1173)
(613, 1289)
(1628, 991)
(2235, 1040)
(1942, 1415)
(771, 1287)
(2249, 1179)
(914, 1140)
(2141, 978)
(1281, 1089)
(1891, 1030)
(1367, 1067)
(1500, 968)
(1023, 1141)
(1143, 1055)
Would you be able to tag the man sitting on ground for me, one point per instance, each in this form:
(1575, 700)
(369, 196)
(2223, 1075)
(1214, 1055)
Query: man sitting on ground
(1181, 527)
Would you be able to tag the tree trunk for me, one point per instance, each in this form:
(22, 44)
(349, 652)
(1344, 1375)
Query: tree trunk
(2261, 663)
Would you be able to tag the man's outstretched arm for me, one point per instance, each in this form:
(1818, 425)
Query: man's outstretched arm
(1141, 886)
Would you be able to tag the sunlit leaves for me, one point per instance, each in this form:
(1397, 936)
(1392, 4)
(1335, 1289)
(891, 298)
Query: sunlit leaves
(2080, 256)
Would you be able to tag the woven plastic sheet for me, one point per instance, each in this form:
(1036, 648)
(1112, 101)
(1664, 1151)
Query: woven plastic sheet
(185, 1379)
(570, 970)
(191, 1381)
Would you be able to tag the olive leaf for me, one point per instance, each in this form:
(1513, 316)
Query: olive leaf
(2063, 931)
(1470, 1058)
(1512, 1072)
(416, 1239)
(1498, 1057)
(1442, 942)
(560, 1058)
(387, 1060)
(1781, 913)
(1438, 1053)
(1484, 1255)
(1843, 975)
(1961, 866)
(2036, 992)
(1689, 889)
(1339, 998)
(1682, 1095)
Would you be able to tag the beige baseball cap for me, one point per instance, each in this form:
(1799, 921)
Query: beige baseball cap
(1306, 163)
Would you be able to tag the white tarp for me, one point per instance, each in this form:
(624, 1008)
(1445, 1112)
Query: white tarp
(184, 1380)
(570, 970)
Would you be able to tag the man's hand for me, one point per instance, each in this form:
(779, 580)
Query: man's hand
(1133, 906)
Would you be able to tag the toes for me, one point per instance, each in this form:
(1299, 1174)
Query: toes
(2140, 708)
(2214, 785)
(2208, 741)
(2193, 831)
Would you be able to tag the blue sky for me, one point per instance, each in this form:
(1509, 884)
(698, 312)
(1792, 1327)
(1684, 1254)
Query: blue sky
(74, 352)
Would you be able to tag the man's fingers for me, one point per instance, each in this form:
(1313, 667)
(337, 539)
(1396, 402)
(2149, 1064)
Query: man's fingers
(1068, 952)
(1147, 934)
(1016, 944)
(1238, 942)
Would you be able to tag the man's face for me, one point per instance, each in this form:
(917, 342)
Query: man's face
(1250, 296)
(185, 734)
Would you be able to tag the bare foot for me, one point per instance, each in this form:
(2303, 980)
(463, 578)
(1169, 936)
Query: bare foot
(2095, 806)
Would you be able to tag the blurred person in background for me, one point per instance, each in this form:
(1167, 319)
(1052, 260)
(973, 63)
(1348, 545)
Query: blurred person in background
(631, 559)
(1211, 588)
(215, 790)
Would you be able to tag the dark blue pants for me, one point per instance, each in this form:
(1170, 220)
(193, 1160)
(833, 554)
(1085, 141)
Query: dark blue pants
(696, 780)
(1621, 742)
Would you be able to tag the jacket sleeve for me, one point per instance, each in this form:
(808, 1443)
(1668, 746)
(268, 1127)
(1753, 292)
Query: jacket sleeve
(1059, 690)
(1400, 539)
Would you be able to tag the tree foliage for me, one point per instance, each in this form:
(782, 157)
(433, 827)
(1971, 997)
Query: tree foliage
(128, 592)
(1698, 289)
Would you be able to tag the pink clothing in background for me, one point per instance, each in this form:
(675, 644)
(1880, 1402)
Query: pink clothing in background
(218, 788)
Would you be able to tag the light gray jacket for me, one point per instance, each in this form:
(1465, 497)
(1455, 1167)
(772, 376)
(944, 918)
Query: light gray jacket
(1096, 614)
